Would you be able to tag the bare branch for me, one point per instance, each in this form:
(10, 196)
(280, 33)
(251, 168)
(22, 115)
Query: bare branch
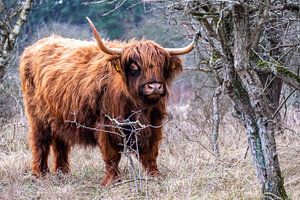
(293, 8)
(216, 121)
(118, 5)
(254, 38)
(20, 21)
(282, 103)
(287, 76)
(275, 68)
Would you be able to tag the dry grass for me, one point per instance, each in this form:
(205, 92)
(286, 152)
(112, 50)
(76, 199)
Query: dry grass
(189, 170)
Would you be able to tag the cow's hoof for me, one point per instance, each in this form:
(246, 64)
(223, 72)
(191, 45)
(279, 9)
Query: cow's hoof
(109, 180)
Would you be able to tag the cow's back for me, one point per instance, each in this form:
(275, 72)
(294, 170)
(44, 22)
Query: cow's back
(59, 84)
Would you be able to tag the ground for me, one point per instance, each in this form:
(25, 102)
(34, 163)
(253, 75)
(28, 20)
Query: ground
(189, 169)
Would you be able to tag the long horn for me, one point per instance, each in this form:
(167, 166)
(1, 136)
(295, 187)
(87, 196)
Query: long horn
(105, 49)
(186, 49)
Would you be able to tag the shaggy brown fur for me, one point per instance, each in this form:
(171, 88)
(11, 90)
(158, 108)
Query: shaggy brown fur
(66, 79)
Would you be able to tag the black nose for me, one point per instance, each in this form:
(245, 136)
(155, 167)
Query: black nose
(156, 88)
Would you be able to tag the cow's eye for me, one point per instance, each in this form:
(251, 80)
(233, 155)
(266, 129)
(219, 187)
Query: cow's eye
(134, 69)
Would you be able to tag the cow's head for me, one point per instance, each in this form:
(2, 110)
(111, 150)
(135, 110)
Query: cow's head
(147, 68)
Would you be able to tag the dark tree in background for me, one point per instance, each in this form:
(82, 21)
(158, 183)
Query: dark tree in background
(13, 14)
(252, 52)
(114, 17)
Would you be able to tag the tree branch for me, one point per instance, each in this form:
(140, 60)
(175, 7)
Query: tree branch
(216, 121)
(21, 20)
(293, 8)
(287, 76)
(254, 38)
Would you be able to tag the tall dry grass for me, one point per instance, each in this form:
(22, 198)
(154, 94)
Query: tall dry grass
(190, 170)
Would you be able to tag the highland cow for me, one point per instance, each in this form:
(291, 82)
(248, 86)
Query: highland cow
(88, 83)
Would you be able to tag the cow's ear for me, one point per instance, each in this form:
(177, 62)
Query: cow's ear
(175, 66)
(116, 64)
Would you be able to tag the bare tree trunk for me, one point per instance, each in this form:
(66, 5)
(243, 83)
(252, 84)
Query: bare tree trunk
(216, 122)
(10, 29)
(260, 127)
(254, 89)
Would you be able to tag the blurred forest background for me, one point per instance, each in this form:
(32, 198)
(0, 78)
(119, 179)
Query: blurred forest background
(205, 153)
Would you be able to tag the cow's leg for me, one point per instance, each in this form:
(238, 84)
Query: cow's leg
(111, 157)
(60, 155)
(148, 160)
(112, 169)
(148, 156)
(39, 141)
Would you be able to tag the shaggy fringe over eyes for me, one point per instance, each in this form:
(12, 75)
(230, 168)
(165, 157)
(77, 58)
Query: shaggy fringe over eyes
(154, 60)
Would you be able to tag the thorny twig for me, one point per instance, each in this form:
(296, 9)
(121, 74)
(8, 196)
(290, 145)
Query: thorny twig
(129, 131)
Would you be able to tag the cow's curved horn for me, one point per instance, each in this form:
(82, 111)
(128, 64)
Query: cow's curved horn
(186, 49)
(105, 49)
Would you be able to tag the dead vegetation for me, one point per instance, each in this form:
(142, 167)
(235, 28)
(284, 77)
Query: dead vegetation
(189, 168)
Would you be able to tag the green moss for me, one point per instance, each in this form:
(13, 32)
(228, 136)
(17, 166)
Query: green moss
(262, 64)
(280, 69)
(283, 71)
(259, 153)
(214, 57)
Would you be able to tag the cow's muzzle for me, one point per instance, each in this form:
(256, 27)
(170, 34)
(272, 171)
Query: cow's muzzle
(152, 92)
(153, 89)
